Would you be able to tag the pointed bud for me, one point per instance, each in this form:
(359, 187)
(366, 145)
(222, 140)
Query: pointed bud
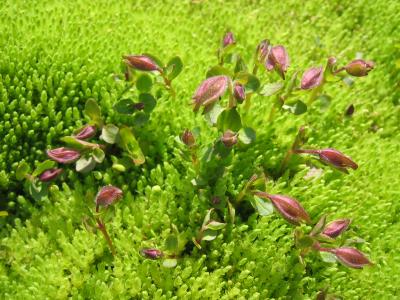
(312, 78)
(239, 92)
(262, 51)
(335, 228)
(108, 195)
(351, 257)
(228, 39)
(50, 174)
(210, 90)
(86, 132)
(63, 155)
(152, 253)
(359, 67)
(229, 138)
(141, 62)
(188, 138)
(278, 59)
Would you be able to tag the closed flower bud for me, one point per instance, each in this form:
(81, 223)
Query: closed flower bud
(312, 78)
(278, 60)
(210, 90)
(108, 195)
(141, 62)
(359, 67)
(188, 138)
(229, 138)
(239, 92)
(86, 132)
(335, 228)
(228, 39)
(351, 257)
(262, 51)
(50, 174)
(152, 253)
(63, 155)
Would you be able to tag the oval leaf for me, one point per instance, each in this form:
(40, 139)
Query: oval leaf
(92, 110)
(174, 67)
(214, 225)
(247, 135)
(264, 208)
(22, 170)
(209, 235)
(43, 166)
(85, 164)
(271, 88)
(170, 263)
(98, 155)
(144, 83)
(109, 133)
(149, 102)
(229, 119)
(129, 143)
(124, 106)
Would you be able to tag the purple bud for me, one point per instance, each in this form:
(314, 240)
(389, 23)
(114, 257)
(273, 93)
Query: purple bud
(141, 62)
(152, 253)
(210, 90)
(335, 228)
(86, 132)
(63, 155)
(278, 59)
(229, 138)
(228, 39)
(359, 67)
(108, 195)
(262, 51)
(50, 174)
(139, 106)
(312, 78)
(188, 138)
(351, 257)
(239, 92)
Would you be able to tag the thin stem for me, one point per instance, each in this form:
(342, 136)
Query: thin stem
(293, 150)
(103, 230)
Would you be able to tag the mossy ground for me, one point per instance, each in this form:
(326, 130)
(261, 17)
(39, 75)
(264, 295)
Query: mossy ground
(56, 54)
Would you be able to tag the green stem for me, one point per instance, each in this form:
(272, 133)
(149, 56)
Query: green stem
(103, 230)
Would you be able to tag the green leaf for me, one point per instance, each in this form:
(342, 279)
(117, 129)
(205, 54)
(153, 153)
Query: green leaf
(250, 81)
(109, 133)
(264, 208)
(240, 65)
(3, 213)
(229, 119)
(174, 67)
(43, 166)
(144, 83)
(293, 82)
(149, 102)
(319, 226)
(170, 262)
(232, 212)
(207, 217)
(218, 70)
(85, 164)
(328, 257)
(129, 143)
(214, 225)
(78, 144)
(124, 106)
(298, 108)
(171, 243)
(37, 190)
(23, 169)
(98, 155)
(209, 235)
(92, 110)
(271, 88)
(247, 135)
(212, 115)
(305, 242)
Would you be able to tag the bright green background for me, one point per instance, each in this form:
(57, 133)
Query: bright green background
(56, 54)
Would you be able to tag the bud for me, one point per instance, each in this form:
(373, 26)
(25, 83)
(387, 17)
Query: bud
(289, 208)
(50, 174)
(262, 51)
(141, 62)
(188, 138)
(228, 39)
(359, 67)
(86, 132)
(229, 138)
(210, 90)
(312, 78)
(63, 155)
(152, 253)
(108, 195)
(239, 92)
(139, 106)
(335, 228)
(278, 59)
(351, 257)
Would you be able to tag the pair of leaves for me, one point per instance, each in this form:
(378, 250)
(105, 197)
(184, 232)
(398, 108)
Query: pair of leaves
(297, 108)
(23, 169)
(263, 208)
(127, 106)
(87, 163)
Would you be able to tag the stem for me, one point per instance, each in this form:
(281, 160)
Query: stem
(103, 230)
(255, 69)
(293, 149)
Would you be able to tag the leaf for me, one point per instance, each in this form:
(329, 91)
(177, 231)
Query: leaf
(240, 65)
(78, 144)
(218, 70)
(109, 133)
(209, 235)
(250, 81)
(207, 217)
(37, 190)
(214, 225)
(305, 242)
(229, 119)
(129, 143)
(293, 82)
(174, 67)
(212, 115)
(22, 170)
(124, 106)
(43, 166)
(319, 226)
(149, 102)
(264, 208)
(232, 211)
(247, 135)
(144, 83)
(98, 155)
(140, 118)
(92, 110)
(271, 88)
(3, 213)
(170, 262)
(85, 164)
(171, 243)
(328, 257)
(297, 108)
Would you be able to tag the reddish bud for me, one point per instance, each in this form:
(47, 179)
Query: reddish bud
(312, 78)
(108, 195)
(50, 174)
(139, 106)
(188, 138)
(239, 92)
(359, 67)
(351, 257)
(210, 90)
(278, 59)
(262, 51)
(228, 39)
(229, 138)
(141, 62)
(335, 228)
(86, 132)
(152, 253)
(63, 155)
